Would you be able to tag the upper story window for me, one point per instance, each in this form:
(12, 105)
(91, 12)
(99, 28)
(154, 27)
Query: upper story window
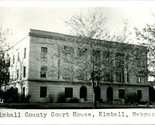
(9, 61)
(80, 74)
(43, 71)
(96, 54)
(67, 50)
(107, 54)
(108, 77)
(141, 62)
(18, 74)
(44, 52)
(18, 56)
(128, 77)
(120, 77)
(107, 58)
(139, 79)
(119, 59)
(24, 53)
(13, 59)
(24, 71)
(81, 52)
(66, 73)
(141, 59)
(96, 57)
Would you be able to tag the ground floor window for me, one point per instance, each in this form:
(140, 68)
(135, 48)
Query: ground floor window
(121, 93)
(23, 91)
(83, 92)
(69, 92)
(139, 94)
(43, 91)
(109, 94)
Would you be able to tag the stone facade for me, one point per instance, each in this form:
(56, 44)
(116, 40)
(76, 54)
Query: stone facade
(44, 70)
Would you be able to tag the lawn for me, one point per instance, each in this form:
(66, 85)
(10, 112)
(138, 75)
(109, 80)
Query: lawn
(87, 105)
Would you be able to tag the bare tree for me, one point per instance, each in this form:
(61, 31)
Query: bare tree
(90, 29)
(4, 60)
(147, 37)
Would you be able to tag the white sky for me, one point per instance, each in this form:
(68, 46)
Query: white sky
(20, 19)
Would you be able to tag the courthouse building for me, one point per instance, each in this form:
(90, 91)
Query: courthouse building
(45, 63)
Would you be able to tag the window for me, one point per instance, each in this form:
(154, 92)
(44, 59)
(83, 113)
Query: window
(108, 77)
(82, 52)
(24, 53)
(121, 93)
(43, 71)
(44, 52)
(24, 71)
(128, 76)
(66, 74)
(138, 79)
(119, 60)
(80, 74)
(68, 51)
(119, 63)
(17, 74)
(43, 92)
(68, 92)
(9, 61)
(96, 58)
(107, 59)
(23, 91)
(18, 57)
(139, 94)
(119, 77)
(96, 54)
(13, 59)
(141, 59)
